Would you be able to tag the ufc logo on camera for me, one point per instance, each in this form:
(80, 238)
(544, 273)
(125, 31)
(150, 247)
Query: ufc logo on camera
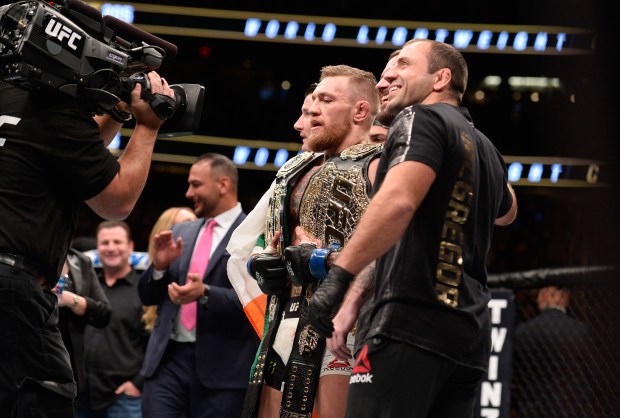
(64, 34)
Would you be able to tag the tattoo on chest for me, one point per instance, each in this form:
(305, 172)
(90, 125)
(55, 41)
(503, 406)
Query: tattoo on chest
(298, 192)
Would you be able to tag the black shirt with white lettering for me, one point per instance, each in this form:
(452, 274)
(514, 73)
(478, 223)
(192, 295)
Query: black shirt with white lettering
(51, 159)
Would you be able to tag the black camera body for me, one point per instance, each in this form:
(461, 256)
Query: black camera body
(69, 46)
(162, 105)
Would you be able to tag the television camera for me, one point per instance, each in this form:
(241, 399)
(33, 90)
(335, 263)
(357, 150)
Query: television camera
(69, 46)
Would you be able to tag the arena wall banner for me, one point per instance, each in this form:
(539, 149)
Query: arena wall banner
(494, 390)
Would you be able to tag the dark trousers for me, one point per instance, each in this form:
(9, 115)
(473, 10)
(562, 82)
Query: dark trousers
(396, 380)
(35, 372)
(175, 390)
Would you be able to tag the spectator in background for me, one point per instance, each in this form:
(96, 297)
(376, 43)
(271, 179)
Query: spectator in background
(551, 376)
(82, 302)
(378, 132)
(199, 356)
(114, 354)
(166, 221)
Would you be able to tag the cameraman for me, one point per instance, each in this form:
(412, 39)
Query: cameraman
(53, 157)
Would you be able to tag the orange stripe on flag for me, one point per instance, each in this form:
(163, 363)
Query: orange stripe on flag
(255, 311)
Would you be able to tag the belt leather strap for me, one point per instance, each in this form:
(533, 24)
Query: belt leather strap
(301, 376)
(19, 263)
(257, 374)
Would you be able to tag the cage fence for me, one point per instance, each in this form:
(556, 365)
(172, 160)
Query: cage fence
(565, 364)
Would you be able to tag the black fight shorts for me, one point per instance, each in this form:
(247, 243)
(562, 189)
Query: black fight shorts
(394, 379)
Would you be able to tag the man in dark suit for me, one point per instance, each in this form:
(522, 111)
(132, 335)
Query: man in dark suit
(552, 364)
(197, 364)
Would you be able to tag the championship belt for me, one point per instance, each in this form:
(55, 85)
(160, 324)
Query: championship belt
(334, 200)
(337, 195)
(301, 377)
(287, 174)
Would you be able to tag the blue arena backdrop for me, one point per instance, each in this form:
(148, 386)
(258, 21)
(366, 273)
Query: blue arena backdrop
(139, 260)
(350, 32)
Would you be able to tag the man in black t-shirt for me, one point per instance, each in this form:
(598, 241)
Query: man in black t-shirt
(441, 187)
(53, 157)
(113, 355)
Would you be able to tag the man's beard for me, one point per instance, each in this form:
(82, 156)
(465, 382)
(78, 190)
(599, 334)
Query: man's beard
(385, 117)
(328, 138)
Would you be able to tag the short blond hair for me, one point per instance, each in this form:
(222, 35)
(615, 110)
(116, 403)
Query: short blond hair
(363, 83)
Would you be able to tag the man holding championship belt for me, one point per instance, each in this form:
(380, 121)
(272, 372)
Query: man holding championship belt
(318, 197)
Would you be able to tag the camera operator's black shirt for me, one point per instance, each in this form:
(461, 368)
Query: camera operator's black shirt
(51, 159)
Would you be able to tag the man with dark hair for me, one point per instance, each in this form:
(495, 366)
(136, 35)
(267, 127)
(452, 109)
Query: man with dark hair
(381, 124)
(441, 187)
(202, 346)
(113, 355)
(299, 124)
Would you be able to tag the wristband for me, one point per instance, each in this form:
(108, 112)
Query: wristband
(76, 300)
(119, 115)
(249, 264)
(318, 258)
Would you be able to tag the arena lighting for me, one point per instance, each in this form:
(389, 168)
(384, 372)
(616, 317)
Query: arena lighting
(493, 82)
(115, 143)
(555, 172)
(263, 155)
(517, 82)
(124, 12)
(351, 32)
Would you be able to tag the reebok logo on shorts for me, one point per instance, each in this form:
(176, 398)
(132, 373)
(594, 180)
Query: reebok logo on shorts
(361, 371)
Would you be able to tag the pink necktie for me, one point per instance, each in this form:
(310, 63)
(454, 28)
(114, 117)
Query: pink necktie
(199, 263)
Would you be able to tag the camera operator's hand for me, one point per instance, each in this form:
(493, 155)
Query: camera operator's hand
(141, 109)
(118, 199)
(123, 107)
